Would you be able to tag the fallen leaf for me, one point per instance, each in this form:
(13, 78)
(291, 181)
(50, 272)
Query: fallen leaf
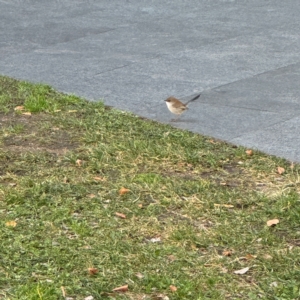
(267, 256)
(63, 291)
(26, 113)
(227, 253)
(173, 288)
(98, 178)
(140, 205)
(121, 289)
(161, 297)
(86, 247)
(280, 170)
(212, 141)
(250, 256)
(11, 223)
(242, 271)
(123, 191)
(93, 271)
(172, 257)
(272, 222)
(20, 107)
(273, 284)
(249, 152)
(155, 240)
(91, 196)
(122, 216)
(224, 205)
(139, 275)
(194, 247)
(79, 162)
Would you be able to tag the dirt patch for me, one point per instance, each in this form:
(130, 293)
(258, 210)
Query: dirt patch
(34, 136)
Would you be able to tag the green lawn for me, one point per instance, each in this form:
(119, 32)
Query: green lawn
(92, 198)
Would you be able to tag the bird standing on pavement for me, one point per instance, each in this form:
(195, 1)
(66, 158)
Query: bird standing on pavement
(176, 107)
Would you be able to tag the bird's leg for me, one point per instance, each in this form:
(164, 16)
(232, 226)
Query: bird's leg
(176, 119)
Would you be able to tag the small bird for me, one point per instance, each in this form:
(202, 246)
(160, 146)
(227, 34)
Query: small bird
(176, 107)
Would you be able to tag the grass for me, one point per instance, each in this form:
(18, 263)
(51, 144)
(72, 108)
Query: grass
(195, 208)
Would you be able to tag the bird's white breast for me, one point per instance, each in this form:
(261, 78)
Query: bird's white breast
(173, 109)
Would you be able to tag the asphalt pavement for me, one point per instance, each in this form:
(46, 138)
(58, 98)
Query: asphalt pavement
(243, 56)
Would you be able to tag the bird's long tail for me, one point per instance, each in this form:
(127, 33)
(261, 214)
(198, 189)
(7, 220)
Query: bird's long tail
(193, 99)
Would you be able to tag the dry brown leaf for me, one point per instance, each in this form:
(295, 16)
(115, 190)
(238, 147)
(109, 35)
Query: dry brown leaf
(249, 152)
(91, 196)
(121, 289)
(272, 222)
(98, 178)
(140, 205)
(280, 170)
(242, 271)
(93, 271)
(212, 141)
(173, 288)
(26, 113)
(120, 215)
(123, 191)
(11, 223)
(250, 256)
(79, 162)
(20, 107)
(227, 253)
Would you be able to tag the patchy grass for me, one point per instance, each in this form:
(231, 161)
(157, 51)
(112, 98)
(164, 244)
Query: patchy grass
(196, 209)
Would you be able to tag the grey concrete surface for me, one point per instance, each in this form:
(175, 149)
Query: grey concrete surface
(242, 55)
